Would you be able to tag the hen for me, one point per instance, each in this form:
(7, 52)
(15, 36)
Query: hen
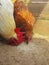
(24, 19)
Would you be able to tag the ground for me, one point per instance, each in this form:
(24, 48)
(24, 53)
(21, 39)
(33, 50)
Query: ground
(35, 53)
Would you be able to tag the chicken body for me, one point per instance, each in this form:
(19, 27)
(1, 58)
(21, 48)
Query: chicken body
(23, 18)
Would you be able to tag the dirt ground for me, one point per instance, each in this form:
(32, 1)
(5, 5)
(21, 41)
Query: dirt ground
(35, 53)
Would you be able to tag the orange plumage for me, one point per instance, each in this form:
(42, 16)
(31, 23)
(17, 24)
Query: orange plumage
(23, 18)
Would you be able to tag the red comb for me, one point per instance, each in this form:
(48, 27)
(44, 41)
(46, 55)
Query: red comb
(20, 36)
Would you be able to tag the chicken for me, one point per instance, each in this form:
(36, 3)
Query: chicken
(24, 18)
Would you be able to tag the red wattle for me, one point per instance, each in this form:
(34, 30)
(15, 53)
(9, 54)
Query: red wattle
(20, 36)
(12, 41)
